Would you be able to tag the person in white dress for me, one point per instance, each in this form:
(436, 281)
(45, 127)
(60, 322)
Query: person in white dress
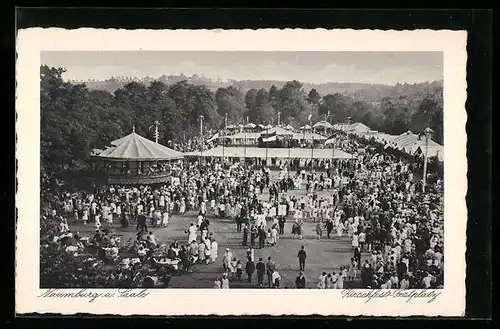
(207, 250)
(340, 279)
(224, 281)
(340, 229)
(192, 233)
(165, 218)
(97, 220)
(322, 281)
(214, 251)
(355, 241)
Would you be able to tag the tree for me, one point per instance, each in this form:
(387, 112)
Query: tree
(314, 97)
(422, 115)
(292, 100)
(251, 104)
(264, 111)
(230, 101)
(336, 106)
(436, 124)
(193, 101)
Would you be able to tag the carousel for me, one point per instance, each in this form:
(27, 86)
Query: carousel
(134, 159)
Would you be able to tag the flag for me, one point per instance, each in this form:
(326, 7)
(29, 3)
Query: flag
(309, 117)
(215, 136)
(269, 137)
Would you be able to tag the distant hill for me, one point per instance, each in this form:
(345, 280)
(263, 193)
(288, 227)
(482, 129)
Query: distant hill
(365, 91)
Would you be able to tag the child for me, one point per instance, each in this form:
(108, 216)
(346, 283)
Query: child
(239, 270)
(232, 266)
(85, 216)
(97, 221)
(75, 216)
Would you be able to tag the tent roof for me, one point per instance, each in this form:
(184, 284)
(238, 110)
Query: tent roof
(256, 152)
(249, 135)
(324, 124)
(306, 127)
(307, 135)
(136, 147)
(280, 131)
(359, 127)
(405, 139)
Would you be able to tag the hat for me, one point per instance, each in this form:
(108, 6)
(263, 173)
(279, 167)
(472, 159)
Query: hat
(227, 249)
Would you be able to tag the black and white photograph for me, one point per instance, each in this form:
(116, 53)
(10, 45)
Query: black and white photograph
(173, 169)
(227, 170)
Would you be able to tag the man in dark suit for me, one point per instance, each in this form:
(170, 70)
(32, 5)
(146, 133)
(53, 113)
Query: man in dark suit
(262, 237)
(270, 267)
(329, 228)
(261, 269)
(141, 223)
(302, 255)
(300, 281)
(245, 234)
(281, 223)
(250, 268)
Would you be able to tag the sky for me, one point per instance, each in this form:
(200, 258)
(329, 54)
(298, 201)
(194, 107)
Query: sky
(313, 67)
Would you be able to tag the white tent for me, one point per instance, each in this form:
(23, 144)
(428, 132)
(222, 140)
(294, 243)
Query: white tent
(250, 125)
(323, 124)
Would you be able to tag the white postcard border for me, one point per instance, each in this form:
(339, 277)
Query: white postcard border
(30, 42)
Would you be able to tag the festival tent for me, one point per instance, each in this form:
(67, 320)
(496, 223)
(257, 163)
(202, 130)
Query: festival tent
(433, 148)
(306, 127)
(283, 153)
(136, 147)
(309, 136)
(241, 137)
(382, 137)
(323, 125)
(341, 127)
(404, 141)
(280, 131)
(330, 141)
(289, 127)
(233, 127)
(250, 126)
(358, 128)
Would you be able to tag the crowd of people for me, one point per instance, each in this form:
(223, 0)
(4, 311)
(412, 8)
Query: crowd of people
(395, 230)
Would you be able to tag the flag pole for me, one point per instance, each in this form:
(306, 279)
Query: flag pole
(201, 136)
(267, 133)
(245, 155)
(224, 140)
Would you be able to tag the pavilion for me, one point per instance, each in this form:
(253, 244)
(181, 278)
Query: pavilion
(134, 159)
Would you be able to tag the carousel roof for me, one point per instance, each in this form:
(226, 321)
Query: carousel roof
(136, 147)
(280, 131)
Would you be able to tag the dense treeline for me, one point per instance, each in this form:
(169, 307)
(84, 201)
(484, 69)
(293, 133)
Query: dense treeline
(76, 120)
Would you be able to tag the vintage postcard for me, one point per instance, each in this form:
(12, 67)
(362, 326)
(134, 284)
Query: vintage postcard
(241, 172)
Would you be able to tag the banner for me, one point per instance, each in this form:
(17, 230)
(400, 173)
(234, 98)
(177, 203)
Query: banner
(214, 137)
(269, 137)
